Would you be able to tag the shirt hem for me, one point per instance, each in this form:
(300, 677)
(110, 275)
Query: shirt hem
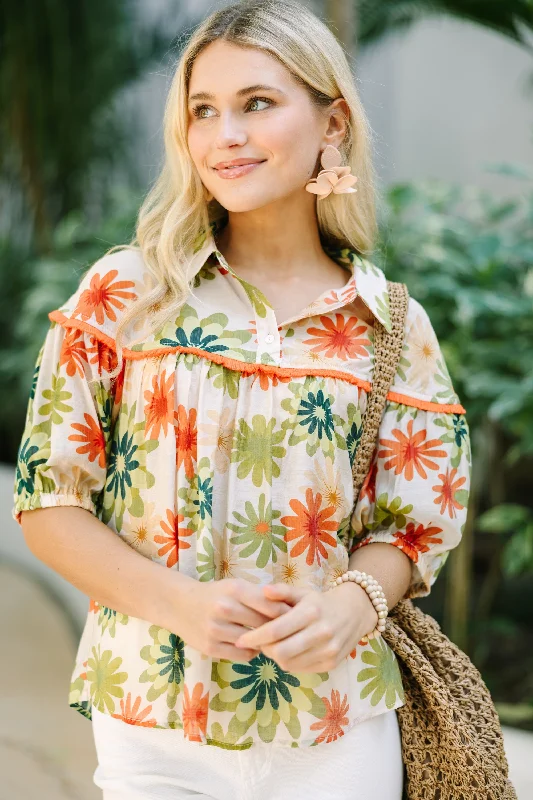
(84, 709)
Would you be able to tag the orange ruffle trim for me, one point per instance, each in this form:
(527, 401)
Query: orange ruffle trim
(248, 368)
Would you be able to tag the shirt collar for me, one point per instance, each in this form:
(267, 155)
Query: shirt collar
(370, 282)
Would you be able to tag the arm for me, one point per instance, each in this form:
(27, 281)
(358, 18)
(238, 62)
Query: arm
(59, 483)
(388, 565)
(113, 573)
(61, 471)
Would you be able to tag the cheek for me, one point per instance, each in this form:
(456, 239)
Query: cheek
(197, 147)
(293, 143)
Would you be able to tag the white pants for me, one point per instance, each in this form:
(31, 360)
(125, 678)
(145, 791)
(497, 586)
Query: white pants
(137, 763)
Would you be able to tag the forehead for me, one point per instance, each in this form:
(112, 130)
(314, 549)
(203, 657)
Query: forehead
(222, 67)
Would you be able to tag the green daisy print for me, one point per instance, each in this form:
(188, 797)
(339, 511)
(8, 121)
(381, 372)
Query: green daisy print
(104, 679)
(257, 449)
(383, 678)
(257, 532)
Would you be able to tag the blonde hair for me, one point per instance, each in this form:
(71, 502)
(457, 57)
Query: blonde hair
(175, 214)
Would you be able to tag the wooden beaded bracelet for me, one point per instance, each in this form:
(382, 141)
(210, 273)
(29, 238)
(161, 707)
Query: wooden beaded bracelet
(375, 593)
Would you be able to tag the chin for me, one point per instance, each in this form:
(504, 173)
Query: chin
(252, 203)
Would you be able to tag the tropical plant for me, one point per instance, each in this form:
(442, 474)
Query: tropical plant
(468, 258)
(363, 22)
(43, 283)
(63, 137)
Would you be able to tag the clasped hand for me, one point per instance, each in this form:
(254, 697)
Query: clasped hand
(318, 631)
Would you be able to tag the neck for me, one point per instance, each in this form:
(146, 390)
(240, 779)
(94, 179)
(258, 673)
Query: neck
(277, 245)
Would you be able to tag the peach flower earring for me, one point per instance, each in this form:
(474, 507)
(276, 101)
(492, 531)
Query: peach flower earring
(333, 178)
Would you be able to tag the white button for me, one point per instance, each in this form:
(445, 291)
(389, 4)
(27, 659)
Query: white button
(269, 338)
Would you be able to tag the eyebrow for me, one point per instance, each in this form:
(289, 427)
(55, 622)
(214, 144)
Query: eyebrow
(258, 87)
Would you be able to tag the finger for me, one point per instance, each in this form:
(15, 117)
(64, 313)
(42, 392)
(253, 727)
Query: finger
(282, 591)
(229, 632)
(253, 597)
(287, 624)
(233, 653)
(302, 661)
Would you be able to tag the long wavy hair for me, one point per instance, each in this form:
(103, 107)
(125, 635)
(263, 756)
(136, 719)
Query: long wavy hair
(176, 213)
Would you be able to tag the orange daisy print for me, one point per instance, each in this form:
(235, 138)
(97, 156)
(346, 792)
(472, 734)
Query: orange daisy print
(103, 355)
(411, 452)
(118, 385)
(102, 298)
(310, 526)
(73, 353)
(186, 439)
(334, 718)
(132, 714)
(447, 490)
(159, 408)
(93, 439)
(194, 713)
(173, 542)
(416, 539)
(269, 379)
(368, 489)
(341, 339)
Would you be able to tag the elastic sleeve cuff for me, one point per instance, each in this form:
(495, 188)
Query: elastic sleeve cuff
(51, 500)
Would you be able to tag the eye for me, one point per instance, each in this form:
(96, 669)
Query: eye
(197, 110)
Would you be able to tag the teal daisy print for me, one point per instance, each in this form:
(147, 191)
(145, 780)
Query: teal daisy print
(166, 665)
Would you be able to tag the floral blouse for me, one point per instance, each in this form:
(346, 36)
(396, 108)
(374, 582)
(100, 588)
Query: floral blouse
(225, 449)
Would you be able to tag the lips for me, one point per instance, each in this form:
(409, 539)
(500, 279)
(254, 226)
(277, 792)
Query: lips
(239, 162)
(238, 171)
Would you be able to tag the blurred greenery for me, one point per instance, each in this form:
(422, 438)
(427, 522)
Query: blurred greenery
(510, 18)
(62, 69)
(33, 285)
(468, 258)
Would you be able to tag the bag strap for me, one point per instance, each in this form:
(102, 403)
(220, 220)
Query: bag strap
(387, 352)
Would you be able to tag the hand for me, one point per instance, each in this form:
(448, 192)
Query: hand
(320, 629)
(214, 614)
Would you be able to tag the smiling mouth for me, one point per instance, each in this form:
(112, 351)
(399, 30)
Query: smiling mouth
(238, 166)
(237, 171)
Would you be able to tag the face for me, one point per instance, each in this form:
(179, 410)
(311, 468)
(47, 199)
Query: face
(276, 126)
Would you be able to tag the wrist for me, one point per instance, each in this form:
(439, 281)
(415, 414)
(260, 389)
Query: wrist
(171, 592)
(356, 594)
(375, 594)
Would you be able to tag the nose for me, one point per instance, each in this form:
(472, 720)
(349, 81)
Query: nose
(229, 132)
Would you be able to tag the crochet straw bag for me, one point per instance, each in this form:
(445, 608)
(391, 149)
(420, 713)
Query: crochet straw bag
(452, 743)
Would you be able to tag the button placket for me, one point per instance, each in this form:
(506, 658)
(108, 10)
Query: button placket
(268, 338)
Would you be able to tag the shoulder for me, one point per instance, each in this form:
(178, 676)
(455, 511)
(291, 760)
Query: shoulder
(423, 374)
(107, 289)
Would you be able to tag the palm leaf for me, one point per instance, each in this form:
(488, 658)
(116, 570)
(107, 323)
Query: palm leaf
(508, 17)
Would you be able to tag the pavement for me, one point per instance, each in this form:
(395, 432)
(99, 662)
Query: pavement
(46, 748)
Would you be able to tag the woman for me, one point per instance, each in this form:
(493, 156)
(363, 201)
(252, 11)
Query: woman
(201, 395)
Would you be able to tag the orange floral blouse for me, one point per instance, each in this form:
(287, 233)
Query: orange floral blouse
(225, 449)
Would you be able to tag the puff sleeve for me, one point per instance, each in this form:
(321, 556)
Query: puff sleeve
(64, 451)
(415, 495)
